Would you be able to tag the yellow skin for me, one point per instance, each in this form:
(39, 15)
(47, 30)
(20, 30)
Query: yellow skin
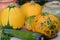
(28, 27)
(36, 25)
(31, 9)
(14, 16)
(28, 22)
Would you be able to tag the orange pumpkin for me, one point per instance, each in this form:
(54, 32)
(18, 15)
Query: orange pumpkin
(46, 24)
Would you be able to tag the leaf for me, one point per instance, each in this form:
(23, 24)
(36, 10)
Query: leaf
(5, 37)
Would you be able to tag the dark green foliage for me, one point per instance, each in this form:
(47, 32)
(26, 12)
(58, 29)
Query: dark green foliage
(41, 2)
(4, 36)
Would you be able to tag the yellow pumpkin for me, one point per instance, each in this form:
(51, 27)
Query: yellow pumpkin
(12, 16)
(31, 9)
(46, 24)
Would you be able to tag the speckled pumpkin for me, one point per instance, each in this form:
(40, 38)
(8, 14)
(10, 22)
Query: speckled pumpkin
(12, 17)
(46, 24)
(31, 9)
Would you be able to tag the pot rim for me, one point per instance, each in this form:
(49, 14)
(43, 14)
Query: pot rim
(7, 1)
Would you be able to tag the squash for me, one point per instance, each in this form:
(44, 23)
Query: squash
(12, 17)
(46, 24)
(23, 35)
(28, 22)
(31, 9)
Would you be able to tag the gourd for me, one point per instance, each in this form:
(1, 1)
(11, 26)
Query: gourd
(12, 17)
(28, 23)
(31, 9)
(24, 35)
(46, 24)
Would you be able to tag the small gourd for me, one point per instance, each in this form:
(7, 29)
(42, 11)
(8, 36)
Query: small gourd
(12, 17)
(46, 24)
(31, 9)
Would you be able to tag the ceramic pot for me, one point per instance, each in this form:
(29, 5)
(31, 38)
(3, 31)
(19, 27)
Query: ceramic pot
(53, 8)
(5, 3)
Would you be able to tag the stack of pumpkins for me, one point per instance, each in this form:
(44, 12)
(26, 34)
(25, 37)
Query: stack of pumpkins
(32, 16)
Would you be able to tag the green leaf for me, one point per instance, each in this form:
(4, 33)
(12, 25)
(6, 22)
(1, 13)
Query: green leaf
(5, 37)
(0, 32)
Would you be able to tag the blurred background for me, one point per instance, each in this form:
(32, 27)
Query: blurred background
(41, 2)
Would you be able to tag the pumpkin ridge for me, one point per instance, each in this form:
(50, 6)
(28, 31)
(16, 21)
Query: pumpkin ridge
(12, 18)
(8, 25)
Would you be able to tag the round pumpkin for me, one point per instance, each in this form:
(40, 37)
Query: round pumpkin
(12, 16)
(46, 24)
(31, 9)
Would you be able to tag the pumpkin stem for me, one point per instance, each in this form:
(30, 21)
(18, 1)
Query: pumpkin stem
(32, 2)
(11, 5)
